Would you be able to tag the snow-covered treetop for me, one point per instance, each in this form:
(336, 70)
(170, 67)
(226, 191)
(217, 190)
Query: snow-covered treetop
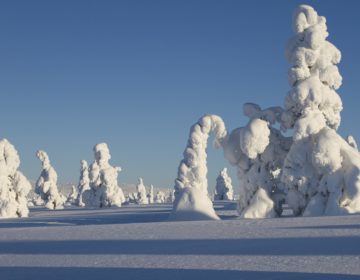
(44, 158)
(9, 158)
(102, 154)
(312, 103)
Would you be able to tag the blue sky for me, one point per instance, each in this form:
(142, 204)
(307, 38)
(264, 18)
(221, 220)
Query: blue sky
(138, 74)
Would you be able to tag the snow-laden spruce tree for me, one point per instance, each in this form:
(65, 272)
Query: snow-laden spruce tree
(46, 185)
(151, 194)
(104, 189)
(224, 189)
(84, 182)
(191, 186)
(321, 173)
(141, 192)
(14, 187)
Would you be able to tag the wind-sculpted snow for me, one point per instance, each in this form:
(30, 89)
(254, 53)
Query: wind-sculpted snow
(191, 185)
(14, 187)
(46, 185)
(224, 189)
(104, 189)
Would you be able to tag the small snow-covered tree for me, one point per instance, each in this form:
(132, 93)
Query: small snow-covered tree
(46, 185)
(151, 194)
(160, 197)
(191, 186)
(73, 196)
(14, 187)
(224, 189)
(141, 191)
(84, 182)
(104, 189)
(258, 151)
(321, 173)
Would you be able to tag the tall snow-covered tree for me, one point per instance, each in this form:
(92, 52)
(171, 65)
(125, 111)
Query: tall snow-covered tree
(84, 182)
(14, 187)
(141, 191)
(46, 185)
(224, 189)
(321, 173)
(191, 186)
(104, 189)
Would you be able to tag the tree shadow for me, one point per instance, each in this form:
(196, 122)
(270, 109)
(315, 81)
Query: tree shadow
(88, 273)
(310, 246)
(351, 226)
(78, 217)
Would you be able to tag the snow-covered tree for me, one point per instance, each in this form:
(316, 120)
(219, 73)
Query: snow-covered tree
(141, 192)
(160, 197)
(46, 185)
(321, 173)
(316, 171)
(84, 182)
(170, 196)
(258, 151)
(224, 189)
(191, 186)
(73, 196)
(14, 187)
(151, 194)
(104, 189)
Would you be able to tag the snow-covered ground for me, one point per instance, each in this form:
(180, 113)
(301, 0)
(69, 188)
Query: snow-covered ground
(138, 242)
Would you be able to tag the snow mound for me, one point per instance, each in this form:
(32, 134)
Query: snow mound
(190, 205)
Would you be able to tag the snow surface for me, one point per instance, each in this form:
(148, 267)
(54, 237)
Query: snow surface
(138, 242)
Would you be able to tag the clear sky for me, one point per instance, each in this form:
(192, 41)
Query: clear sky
(138, 74)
